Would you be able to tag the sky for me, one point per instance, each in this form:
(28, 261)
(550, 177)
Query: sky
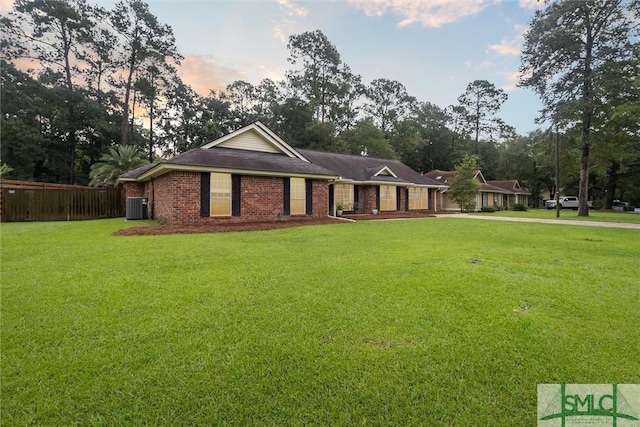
(434, 47)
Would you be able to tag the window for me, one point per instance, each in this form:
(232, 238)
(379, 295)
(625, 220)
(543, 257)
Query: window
(387, 198)
(298, 190)
(485, 199)
(343, 195)
(418, 198)
(220, 194)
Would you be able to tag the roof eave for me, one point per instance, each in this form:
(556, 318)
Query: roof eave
(163, 168)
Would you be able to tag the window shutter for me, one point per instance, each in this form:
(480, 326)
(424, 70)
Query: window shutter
(331, 198)
(378, 197)
(398, 201)
(235, 195)
(309, 196)
(205, 194)
(406, 202)
(287, 196)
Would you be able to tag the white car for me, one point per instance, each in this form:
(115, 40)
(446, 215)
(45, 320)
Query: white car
(568, 202)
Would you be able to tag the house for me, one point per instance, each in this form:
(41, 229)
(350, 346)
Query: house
(366, 184)
(253, 175)
(496, 194)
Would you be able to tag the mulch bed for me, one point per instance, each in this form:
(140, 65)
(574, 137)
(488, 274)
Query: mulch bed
(222, 227)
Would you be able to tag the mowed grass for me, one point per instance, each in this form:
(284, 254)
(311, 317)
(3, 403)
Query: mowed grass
(439, 321)
(570, 214)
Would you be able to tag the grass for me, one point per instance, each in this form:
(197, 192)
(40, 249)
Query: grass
(594, 215)
(443, 321)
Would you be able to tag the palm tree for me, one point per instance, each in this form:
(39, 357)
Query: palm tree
(5, 168)
(118, 160)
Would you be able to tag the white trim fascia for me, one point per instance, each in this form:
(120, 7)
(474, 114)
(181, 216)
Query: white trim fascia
(479, 172)
(385, 168)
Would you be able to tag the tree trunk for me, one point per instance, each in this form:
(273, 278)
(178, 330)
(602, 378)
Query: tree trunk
(151, 132)
(612, 183)
(587, 101)
(127, 93)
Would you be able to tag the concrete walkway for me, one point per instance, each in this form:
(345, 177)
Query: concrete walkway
(546, 221)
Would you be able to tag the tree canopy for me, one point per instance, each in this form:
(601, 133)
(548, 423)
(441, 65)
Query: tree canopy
(99, 78)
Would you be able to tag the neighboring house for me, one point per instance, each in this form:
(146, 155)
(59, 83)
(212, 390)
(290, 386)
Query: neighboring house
(252, 174)
(367, 183)
(497, 194)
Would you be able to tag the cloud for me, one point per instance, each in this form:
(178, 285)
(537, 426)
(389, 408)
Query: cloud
(511, 46)
(531, 4)
(277, 32)
(202, 73)
(511, 80)
(432, 13)
(290, 9)
(289, 12)
(6, 6)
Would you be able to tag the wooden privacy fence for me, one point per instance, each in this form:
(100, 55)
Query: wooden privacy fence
(36, 201)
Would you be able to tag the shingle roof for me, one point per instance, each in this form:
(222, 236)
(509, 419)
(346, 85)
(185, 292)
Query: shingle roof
(511, 185)
(440, 175)
(133, 174)
(363, 169)
(227, 158)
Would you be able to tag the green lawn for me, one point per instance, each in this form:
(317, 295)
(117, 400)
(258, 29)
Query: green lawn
(437, 321)
(602, 216)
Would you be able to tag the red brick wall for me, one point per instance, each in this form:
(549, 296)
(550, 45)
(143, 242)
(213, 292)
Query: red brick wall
(134, 189)
(262, 198)
(320, 198)
(367, 198)
(175, 198)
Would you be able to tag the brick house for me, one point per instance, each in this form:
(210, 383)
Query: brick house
(253, 175)
(497, 194)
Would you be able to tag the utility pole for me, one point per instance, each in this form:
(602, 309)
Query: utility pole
(557, 171)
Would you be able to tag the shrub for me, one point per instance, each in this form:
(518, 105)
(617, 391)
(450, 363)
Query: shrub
(519, 207)
(487, 209)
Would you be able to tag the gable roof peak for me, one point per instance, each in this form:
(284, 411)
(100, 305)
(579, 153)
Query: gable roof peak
(255, 137)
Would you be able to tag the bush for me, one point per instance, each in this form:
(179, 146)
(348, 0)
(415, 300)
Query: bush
(598, 204)
(487, 209)
(519, 207)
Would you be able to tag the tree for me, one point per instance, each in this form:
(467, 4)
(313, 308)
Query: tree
(51, 33)
(154, 82)
(389, 103)
(117, 160)
(365, 139)
(142, 35)
(568, 46)
(346, 105)
(317, 81)
(481, 101)
(463, 188)
(242, 97)
(5, 169)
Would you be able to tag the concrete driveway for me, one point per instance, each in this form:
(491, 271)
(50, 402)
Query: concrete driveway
(546, 221)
